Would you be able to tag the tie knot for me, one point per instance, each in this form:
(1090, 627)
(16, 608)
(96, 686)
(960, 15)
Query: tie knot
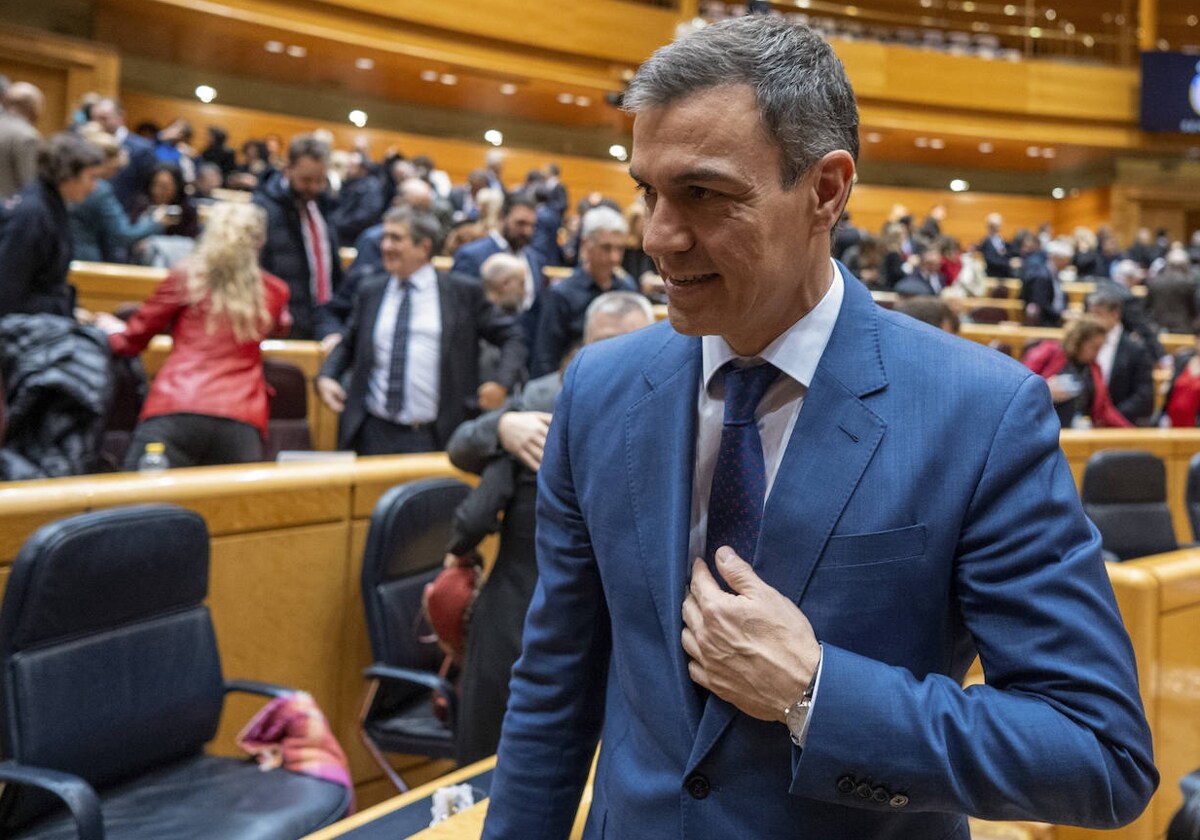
(744, 389)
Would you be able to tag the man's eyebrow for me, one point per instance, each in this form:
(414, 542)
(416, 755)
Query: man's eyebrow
(701, 174)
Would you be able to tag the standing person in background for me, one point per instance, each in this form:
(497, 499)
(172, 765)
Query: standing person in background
(1041, 280)
(35, 244)
(208, 404)
(561, 323)
(997, 259)
(19, 138)
(746, 580)
(139, 152)
(302, 243)
(1125, 361)
(218, 152)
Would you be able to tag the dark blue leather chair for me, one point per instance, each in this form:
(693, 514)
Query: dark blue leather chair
(406, 543)
(1125, 494)
(110, 686)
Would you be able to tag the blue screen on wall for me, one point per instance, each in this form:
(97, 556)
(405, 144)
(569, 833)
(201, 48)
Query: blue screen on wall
(1171, 92)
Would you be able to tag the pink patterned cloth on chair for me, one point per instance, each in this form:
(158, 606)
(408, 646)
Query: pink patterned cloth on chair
(291, 732)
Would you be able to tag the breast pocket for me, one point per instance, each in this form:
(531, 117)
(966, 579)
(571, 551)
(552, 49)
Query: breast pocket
(873, 549)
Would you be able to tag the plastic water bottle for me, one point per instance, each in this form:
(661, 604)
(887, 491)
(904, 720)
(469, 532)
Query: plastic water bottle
(154, 459)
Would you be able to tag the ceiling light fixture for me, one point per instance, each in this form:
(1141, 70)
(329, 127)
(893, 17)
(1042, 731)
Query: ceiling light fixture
(358, 118)
(448, 79)
(565, 98)
(921, 142)
(429, 75)
(959, 185)
(1089, 41)
(508, 88)
(874, 137)
(1010, 10)
(364, 63)
(583, 101)
(206, 93)
(273, 46)
(297, 51)
(1058, 192)
(1035, 32)
(986, 148)
(937, 143)
(618, 151)
(1033, 151)
(493, 136)
(1051, 14)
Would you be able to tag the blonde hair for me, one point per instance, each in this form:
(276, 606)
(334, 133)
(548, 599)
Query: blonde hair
(224, 268)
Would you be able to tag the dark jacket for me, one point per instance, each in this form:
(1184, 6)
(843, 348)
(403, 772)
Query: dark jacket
(58, 384)
(1131, 383)
(561, 321)
(360, 205)
(284, 255)
(466, 317)
(131, 180)
(35, 254)
(1037, 287)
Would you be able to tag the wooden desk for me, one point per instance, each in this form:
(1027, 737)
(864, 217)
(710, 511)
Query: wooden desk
(101, 287)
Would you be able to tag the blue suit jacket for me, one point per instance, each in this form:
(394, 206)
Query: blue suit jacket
(922, 510)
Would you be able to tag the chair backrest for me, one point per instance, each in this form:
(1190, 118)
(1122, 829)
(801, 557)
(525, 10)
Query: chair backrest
(1125, 494)
(406, 543)
(287, 426)
(108, 660)
(988, 315)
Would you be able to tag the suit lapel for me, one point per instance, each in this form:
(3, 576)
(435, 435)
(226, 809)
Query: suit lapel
(659, 469)
(834, 439)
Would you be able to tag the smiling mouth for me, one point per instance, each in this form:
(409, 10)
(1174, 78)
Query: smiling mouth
(688, 279)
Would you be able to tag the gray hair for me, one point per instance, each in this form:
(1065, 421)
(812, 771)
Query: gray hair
(422, 227)
(1128, 268)
(1106, 301)
(1062, 248)
(65, 155)
(309, 146)
(498, 266)
(618, 304)
(603, 220)
(804, 99)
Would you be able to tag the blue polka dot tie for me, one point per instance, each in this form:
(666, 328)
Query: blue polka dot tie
(739, 485)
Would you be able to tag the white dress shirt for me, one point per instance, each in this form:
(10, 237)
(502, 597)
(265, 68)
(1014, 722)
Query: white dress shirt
(796, 353)
(1108, 352)
(422, 361)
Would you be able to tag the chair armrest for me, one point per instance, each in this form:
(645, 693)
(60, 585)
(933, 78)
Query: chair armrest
(75, 793)
(255, 687)
(432, 681)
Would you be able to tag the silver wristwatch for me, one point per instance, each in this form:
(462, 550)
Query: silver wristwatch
(796, 715)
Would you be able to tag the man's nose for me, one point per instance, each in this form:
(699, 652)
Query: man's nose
(665, 231)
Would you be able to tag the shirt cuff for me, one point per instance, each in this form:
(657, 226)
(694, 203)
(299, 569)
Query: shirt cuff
(812, 704)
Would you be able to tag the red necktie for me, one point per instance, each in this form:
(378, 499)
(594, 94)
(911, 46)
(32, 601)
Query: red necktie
(322, 279)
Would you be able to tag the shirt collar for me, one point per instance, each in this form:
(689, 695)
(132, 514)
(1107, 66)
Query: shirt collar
(421, 279)
(499, 239)
(798, 349)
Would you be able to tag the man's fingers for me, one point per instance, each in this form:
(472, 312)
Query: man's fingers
(703, 583)
(737, 572)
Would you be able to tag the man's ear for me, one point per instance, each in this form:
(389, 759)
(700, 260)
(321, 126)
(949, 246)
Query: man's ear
(833, 176)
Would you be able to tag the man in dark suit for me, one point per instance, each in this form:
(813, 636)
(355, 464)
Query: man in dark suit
(302, 242)
(747, 580)
(134, 177)
(1041, 286)
(411, 349)
(514, 237)
(1125, 361)
(995, 250)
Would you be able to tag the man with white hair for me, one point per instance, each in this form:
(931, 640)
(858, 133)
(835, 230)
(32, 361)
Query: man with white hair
(564, 306)
(1041, 286)
(19, 140)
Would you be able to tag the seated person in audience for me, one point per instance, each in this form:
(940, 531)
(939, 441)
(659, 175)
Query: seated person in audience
(561, 322)
(166, 189)
(932, 311)
(255, 171)
(302, 242)
(504, 287)
(100, 229)
(208, 404)
(411, 349)
(1041, 283)
(1127, 274)
(208, 178)
(1076, 382)
(1125, 361)
(895, 266)
(1181, 406)
(360, 201)
(35, 239)
(637, 262)
(217, 152)
(505, 446)
(1173, 295)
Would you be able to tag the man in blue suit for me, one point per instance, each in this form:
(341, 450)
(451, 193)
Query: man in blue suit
(134, 177)
(767, 604)
(516, 232)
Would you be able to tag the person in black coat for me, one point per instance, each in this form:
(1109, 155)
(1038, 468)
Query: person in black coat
(297, 203)
(447, 316)
(361, 200)
(1126, 361)
(35, 237)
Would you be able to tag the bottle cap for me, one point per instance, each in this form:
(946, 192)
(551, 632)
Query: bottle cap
(156, 448)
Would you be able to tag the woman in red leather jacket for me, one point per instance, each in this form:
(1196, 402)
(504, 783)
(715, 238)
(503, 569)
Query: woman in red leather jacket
(208, 404)
(1081, 398)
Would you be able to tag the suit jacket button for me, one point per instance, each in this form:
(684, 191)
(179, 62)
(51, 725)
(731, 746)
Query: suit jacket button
(898, 801)
(880, 795)
(697, 786)
(863, 790)
(846, 784)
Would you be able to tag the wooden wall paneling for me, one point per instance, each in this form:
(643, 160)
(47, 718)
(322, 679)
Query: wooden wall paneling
(65, 69)
(278, 600)
(1089, 209)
